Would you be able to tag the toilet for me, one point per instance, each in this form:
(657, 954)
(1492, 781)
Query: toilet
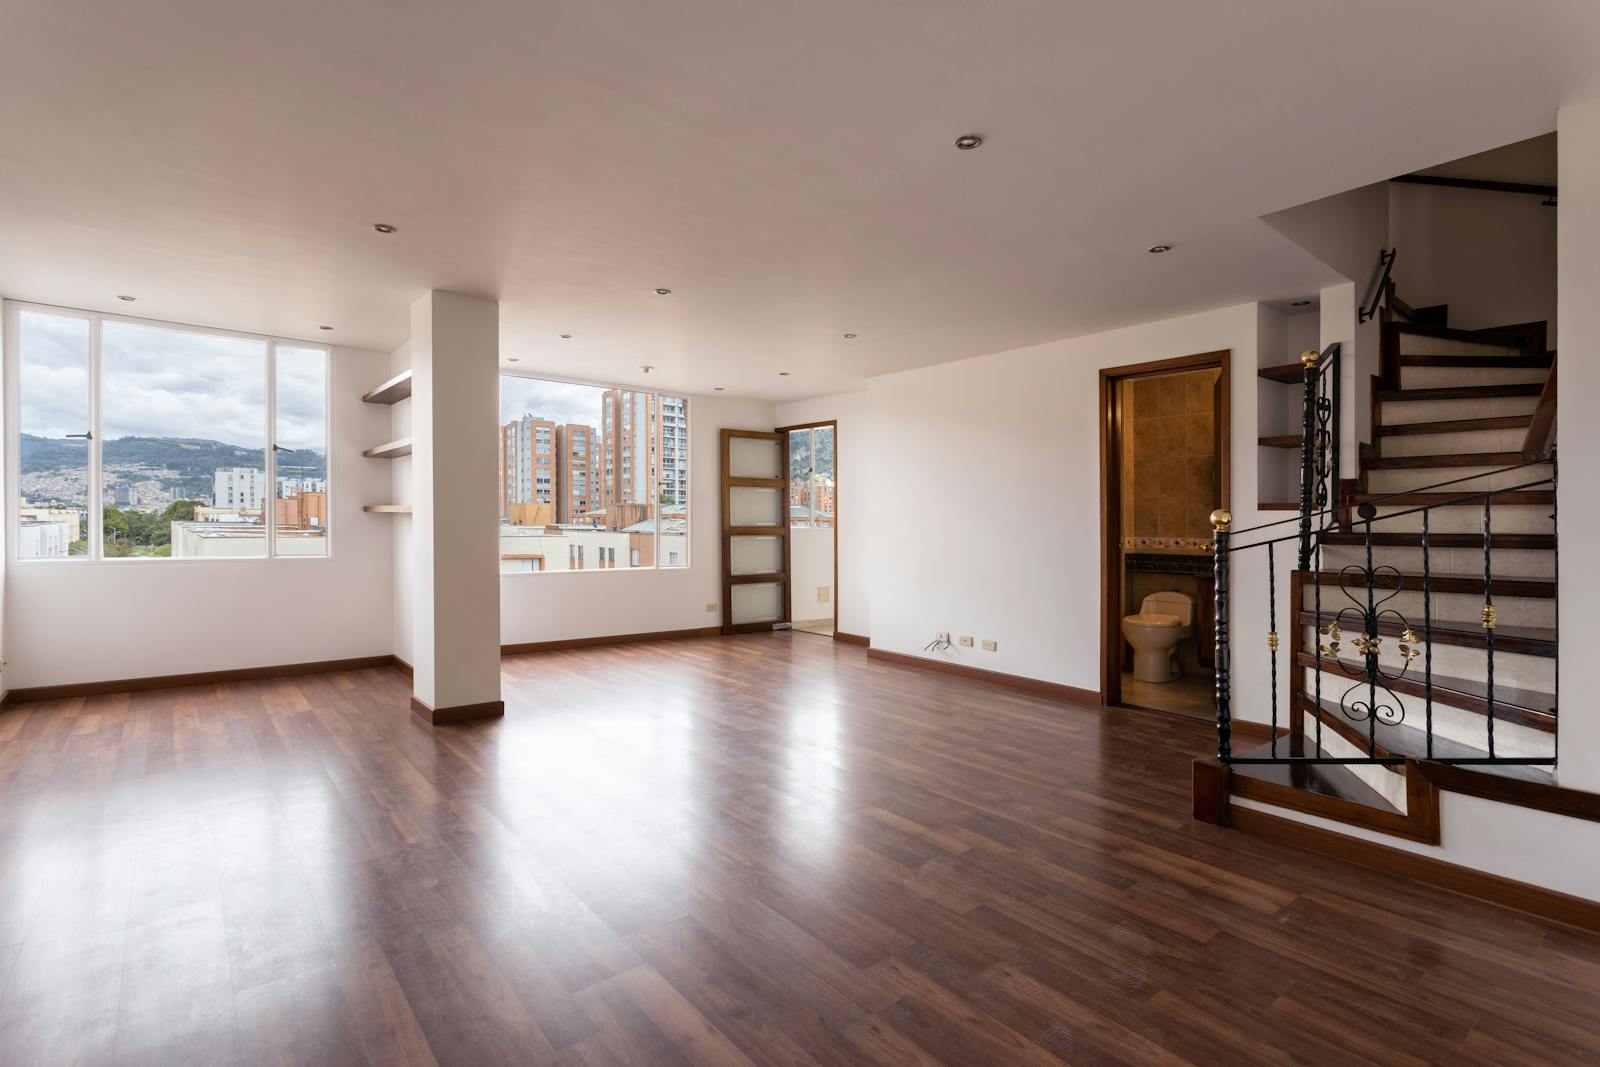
(1164, 619)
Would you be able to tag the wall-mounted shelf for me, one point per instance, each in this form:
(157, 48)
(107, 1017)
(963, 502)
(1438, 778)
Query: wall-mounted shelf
(392, 450)
(1287, 373)
(392, 391)
(388, 509)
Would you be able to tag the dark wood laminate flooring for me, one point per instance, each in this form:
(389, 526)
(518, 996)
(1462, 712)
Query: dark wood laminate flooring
(759, 850)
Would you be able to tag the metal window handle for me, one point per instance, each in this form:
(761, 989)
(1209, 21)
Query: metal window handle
(85, 436)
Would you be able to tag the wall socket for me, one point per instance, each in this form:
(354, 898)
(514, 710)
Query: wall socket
(822, 594)
(990, 646)
(711, 607)
(966, 640)
(942, 635)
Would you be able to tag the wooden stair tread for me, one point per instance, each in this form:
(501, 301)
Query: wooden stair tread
(1445, 582)
(1443, 459)
(1520, 497)
(1462, 392)
(1283, 440)
(1499, 422)
(1524, 707)
(1288, 373)
(1467, 359)
(1522, 640)
(1327, 779)
(1439, 540)
(1404, 740)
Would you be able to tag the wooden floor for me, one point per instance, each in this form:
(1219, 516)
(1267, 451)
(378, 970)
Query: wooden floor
(746, 850)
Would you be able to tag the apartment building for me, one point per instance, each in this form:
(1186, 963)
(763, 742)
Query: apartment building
(576, 479)
(529, 464)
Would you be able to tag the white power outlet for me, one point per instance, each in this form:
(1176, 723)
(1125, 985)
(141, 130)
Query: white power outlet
(711, 607)
(942, 635)
(966, 640)
(990, 646)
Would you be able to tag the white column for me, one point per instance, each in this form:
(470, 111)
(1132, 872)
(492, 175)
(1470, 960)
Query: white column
(1578, 435)
(455, 345)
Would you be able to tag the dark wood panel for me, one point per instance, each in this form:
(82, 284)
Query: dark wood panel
(766, 849)
(1410, 429)
(1461, 392)
(1469, 584)
(1540, 441)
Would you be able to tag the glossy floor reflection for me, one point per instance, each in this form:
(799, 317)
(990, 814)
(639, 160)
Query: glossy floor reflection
(760, 849)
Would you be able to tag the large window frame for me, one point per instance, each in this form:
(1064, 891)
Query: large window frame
(656, 566)
(95, 532)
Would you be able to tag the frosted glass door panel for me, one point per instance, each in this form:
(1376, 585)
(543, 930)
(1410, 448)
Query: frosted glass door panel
(757, 602)
(753, 458)
(756, 555)
(755, 507)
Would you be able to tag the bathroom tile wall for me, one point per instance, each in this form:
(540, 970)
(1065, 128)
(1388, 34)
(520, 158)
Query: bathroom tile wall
(1169, 458)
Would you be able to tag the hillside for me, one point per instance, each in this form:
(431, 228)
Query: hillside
(193, 460)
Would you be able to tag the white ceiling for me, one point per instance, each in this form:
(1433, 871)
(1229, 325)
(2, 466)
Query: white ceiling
(785, 168)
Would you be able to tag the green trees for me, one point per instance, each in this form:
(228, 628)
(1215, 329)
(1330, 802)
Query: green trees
(138, 533)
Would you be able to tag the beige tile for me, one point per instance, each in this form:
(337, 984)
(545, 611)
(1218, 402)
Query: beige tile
(1198, 392)
(1170, 436)
(1169, 396)
(1197, 435)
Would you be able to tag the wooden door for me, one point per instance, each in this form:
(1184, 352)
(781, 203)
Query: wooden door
(755, 531)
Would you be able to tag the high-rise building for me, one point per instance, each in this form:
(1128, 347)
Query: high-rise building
(577, 481)
(527, 462)
(238, 487)
(644, 449)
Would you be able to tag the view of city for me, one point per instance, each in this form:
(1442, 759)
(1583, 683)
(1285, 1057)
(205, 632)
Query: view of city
(182, 439)
(591, 478)
(811, 477)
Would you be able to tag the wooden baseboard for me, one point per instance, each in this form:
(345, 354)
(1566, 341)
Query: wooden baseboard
(1049, 690)
(404, 668)
(610, 639)
(851, 639)
(73, 690)
(1506, 892)
(1538, 795)
(489, 709)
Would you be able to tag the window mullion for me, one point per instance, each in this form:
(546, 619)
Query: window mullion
(269, 499)
(97, 508)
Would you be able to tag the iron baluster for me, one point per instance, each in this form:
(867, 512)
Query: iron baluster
(1427, 637)
(1370, 632)
(1555, 530)
(1272, 638)
(1308, 453)
(1488, 621)
(1219, 573)
(1332, 377)
(1316, 644)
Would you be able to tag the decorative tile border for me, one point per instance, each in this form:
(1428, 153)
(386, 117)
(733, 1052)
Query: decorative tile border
(1179, 544)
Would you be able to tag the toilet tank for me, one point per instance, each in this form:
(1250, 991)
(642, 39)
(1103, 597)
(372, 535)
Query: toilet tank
(1170, 603)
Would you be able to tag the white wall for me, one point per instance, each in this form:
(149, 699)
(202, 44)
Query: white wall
(810, 569)
(560, 605)
(854, 441)
(400, 476)
(1490, 256)
(84, 621)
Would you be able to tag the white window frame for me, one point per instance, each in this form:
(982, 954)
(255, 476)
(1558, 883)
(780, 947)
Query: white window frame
(688, 460)
(95, 532)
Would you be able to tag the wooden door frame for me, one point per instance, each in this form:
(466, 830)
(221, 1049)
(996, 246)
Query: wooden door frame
(787, 563)
(729, 531)
(1111, 583)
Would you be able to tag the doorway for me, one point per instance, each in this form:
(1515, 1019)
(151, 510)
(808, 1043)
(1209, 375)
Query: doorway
(813, 543)
(1164, 451)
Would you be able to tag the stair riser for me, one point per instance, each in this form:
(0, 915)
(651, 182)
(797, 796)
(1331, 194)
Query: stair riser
(1403, 479)
(1415, 345)
(1388, 781)
(1445, 444)
(1455, 724)
(1465, 518)
(1506, 562)
(1439, 377)
(1517, 670)
(1509, 611)
(1401, 412)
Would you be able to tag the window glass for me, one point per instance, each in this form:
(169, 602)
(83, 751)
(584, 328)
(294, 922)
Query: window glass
(590, 478)
(300, 442)
(53, 405)
(182, 443)
(811, 477)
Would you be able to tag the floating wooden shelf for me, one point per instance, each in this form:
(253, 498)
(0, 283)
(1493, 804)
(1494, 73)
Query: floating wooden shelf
(388, 509)
(392, 391)
(392, 450)
(1287, 373)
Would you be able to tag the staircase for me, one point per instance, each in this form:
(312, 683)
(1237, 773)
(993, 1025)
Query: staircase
(1461, 705)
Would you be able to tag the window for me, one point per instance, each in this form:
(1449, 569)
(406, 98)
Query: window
(811, 476)
(617, 494)
(149, 440)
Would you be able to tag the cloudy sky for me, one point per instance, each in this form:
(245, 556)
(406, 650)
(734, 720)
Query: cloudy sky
(167, 383)
(556, 401)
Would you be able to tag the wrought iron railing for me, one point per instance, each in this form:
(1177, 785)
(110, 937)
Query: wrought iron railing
(1372, 698)
(1380, 284)
(1319, 445)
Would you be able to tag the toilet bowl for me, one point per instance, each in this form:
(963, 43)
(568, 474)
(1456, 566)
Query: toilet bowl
(1164, 619)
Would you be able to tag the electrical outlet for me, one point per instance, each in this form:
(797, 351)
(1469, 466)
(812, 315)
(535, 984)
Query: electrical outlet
(822, 594)
(942, 635)
(711, 607)
(966, 640)
(990, 646)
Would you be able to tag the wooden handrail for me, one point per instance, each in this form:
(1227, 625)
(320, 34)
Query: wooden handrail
(1541, 440)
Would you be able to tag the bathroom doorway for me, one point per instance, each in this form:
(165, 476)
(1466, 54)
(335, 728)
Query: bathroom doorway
(1163, 470)
(813, 543)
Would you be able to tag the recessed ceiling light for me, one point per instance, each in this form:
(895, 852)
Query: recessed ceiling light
(566, 337)
(1299, 303)
(384, 227)
(967, 142)
(849, 337)
(511, 359)
(1158, 249)
(324, 327)
(663, 292)
(647, 368)
(718, 388)
(129, 299)
(783, 374)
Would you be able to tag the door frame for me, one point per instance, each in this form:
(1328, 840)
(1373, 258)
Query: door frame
(729, 531)
(837, 508)
(1111, 444)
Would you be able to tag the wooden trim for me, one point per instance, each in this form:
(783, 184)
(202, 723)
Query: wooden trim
(1049, 690)
(404, 668)
(1541, 796)
(786, 430)
(609, 639)
(1484, 184)
(489, 709)
(1540, 441)
(1507, 893)
(1110, 415)
(1210, 790)
(1420, 823)
(730, 531)
(71, 690)
(851, 639)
